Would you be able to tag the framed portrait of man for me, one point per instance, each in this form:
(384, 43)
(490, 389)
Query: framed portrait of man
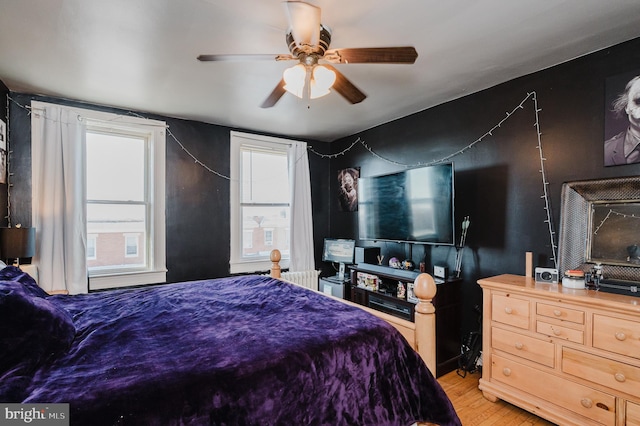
(622, 119)
(348, 189)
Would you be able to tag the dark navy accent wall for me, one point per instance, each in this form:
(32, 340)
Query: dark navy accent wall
(4, 111)
(197, 201)
(498, 182)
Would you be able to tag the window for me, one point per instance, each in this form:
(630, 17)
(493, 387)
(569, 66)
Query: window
(260, 201)
(247, 239)
(115, 169)
(91, 247)
(116, 197)
(268, 237)
(131, 246)
(125, 202)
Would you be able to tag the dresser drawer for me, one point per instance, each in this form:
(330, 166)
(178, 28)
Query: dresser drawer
(593, 404)
(616, 335)
(633, 414)
(535, 350)
(509, 310)
(613, 374)
(560, 332)
(560, 312)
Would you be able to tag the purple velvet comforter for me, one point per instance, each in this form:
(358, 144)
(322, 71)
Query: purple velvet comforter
(245, 350)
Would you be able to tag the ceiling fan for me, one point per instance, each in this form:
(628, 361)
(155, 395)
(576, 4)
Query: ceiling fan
(308, 41)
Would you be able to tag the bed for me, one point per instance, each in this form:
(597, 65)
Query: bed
(244, 350)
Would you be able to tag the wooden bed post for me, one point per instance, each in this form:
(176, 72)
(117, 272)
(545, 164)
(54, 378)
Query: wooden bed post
(420, 334)
(275, 257)
(425, 320)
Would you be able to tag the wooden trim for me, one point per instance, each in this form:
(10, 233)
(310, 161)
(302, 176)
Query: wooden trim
(420, 334)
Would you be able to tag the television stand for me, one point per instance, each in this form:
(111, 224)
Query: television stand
(447, 303)
(387, 271)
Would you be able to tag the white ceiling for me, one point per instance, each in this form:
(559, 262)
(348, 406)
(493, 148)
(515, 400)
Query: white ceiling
(141, 54)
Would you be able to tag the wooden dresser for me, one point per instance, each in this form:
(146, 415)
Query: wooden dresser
(570, 356)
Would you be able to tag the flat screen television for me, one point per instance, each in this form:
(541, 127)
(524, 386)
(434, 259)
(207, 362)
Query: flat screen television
(339, 251)
(415, 205)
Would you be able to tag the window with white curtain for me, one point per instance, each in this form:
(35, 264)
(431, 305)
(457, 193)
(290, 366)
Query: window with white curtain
(260, 201)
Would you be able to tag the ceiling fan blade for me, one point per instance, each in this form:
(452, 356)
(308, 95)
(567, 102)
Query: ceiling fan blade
(244, 57)
(304, 21)
(274, 96)
(347, 89)
(386, 55)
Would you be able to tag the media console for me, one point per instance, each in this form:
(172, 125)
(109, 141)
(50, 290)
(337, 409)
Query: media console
(384, 297)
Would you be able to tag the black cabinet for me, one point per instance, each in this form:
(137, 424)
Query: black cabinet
(333, 286)
(384, 298)
(359, 295)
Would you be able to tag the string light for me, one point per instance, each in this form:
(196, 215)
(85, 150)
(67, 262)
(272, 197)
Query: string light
(545, 183)
(447, 158)
(437, 161)
(509, 114)
(615, 213)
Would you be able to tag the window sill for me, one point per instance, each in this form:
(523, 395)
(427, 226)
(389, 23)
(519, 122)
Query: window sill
(128, 279)
(255, 266)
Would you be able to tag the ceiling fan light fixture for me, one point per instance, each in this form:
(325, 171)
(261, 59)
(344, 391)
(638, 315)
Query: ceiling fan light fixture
(304, 19)
(314, 81)
(322, 80)
(308, 41)
(295, 78)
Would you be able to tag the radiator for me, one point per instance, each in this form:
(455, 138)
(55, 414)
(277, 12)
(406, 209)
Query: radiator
(308, 279)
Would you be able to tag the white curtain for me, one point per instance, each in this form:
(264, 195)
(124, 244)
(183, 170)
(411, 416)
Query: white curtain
(302, 256)
(59, 197)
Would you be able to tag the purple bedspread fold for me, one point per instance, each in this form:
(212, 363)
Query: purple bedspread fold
(245, 350)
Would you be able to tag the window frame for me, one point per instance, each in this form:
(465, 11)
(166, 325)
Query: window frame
(238, 141)
(154, 132)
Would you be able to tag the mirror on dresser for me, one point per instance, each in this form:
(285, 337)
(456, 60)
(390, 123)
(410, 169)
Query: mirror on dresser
(600, 224)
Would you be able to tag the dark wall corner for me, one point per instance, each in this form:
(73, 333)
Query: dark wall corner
(4, 187)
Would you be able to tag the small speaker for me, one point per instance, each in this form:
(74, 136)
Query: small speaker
(367, 255)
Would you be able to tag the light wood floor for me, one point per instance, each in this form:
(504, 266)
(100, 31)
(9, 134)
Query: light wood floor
(474, 410)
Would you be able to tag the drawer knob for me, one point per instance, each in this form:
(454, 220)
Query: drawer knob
(506, 371)
(557, 312)
(621, 336)
(586, 402)
(556, 331)
(620, 377)
(519, 345)
(508, 310)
